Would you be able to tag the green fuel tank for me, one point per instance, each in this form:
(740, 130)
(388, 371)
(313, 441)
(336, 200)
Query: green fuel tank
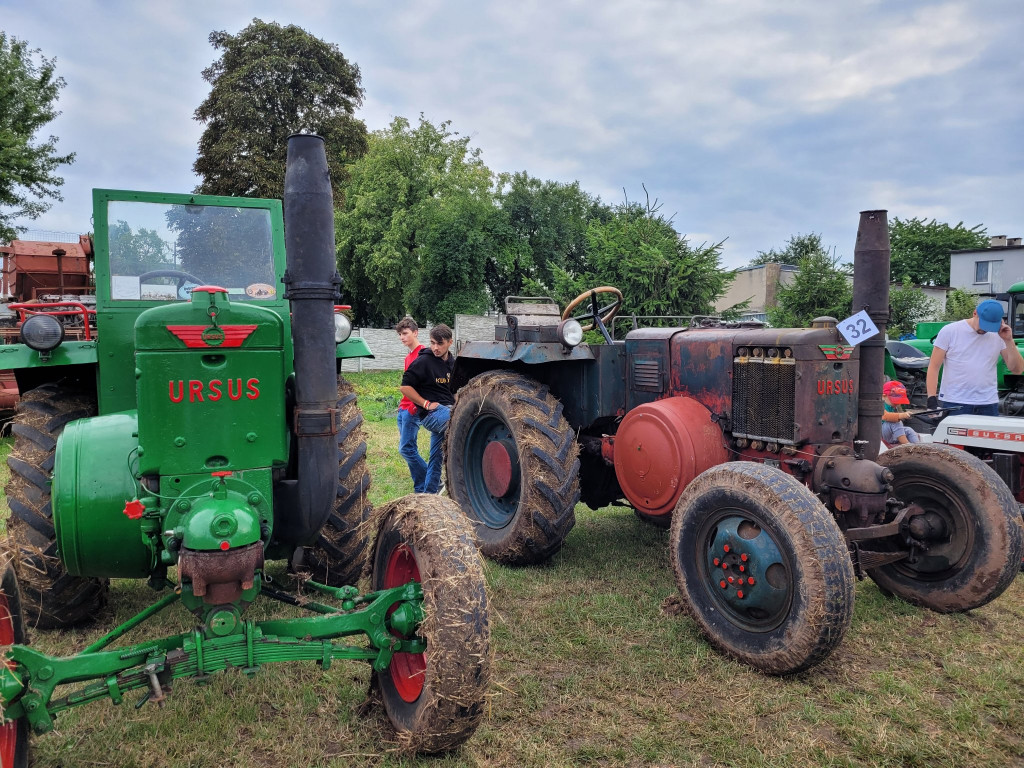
(92, 483)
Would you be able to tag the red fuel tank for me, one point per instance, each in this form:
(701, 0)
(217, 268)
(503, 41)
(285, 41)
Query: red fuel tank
(660, 447)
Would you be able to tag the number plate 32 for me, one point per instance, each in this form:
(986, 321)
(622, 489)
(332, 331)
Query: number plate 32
(857, 328)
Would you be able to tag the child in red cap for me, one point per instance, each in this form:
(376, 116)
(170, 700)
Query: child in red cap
(894, 431)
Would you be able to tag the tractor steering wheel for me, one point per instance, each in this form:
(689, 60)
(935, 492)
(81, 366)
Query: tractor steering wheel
(170, 273)
(605, 313)
(182, 277)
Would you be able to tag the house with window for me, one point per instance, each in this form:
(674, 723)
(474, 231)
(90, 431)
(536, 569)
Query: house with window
(988, 270)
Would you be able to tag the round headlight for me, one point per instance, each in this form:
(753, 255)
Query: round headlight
(42, 332)
(570, 332)
(342, 328)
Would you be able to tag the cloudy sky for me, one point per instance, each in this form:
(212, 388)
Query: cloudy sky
(749, 120)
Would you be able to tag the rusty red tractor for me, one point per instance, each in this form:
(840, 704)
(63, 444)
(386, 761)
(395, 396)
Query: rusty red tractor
(757, 446)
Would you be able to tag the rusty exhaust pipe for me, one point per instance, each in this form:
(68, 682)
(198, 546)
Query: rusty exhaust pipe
(871, 258)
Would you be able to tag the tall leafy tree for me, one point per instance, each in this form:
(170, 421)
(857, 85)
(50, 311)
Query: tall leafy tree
(797, 248)
(820, 287)
(920, 249)
(270, 82)
(28, 94)
(460, 235)
(658, 271)
(412, 182)
(548, 223)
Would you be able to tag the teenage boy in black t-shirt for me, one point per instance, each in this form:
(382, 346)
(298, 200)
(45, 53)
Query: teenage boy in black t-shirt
(426, 382)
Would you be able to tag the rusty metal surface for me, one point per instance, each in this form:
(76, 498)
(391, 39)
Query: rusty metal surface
(31, 268)
(219, 577)
(871, 258)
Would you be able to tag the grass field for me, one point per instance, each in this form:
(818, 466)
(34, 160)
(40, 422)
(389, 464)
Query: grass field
(594, 667)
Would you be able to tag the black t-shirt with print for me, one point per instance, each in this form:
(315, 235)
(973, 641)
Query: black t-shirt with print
(430, 376)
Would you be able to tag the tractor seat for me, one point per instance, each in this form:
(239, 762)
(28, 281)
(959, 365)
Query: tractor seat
(533, 310)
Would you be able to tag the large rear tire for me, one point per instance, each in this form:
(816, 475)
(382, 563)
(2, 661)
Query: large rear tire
(763, 566)
(14, 735)
(435, 699)
(340, 552)
(51, 598)
(512, 465)
(972, 527)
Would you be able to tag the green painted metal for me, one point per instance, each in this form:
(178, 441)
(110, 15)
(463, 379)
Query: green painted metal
(14, 356)
(353, 346)
(387, 618)
(133, 622)
(246, 231)
(218, 404)
(92, 480)
(220, 520)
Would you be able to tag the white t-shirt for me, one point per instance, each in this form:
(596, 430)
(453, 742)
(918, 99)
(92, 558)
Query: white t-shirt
(969, 371)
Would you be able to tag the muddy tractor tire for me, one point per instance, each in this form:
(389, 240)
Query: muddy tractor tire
(340, 552)
(51, 597)
(512, 465)
(14, 735)
(435, 699)
(763, 567)
(970, 523)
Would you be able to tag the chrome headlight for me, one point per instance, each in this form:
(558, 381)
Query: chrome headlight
(42, 332)
(342, 328)
(570, 332)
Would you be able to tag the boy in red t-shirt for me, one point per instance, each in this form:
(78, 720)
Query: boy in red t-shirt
(408, 424)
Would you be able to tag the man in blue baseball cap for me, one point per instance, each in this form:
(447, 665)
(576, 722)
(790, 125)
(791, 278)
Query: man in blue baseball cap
(967, 352)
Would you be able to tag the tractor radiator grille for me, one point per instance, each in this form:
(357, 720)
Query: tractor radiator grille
(763, 396)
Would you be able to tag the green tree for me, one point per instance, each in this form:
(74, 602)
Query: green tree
(270, 82)
(28, 93)
(920, 249)
(960, 305)
(408, 186)
(459, 238)
(797, 248)
(909, 306)
(819, 288)
(133, 252)
(658, 271)
(547, 232)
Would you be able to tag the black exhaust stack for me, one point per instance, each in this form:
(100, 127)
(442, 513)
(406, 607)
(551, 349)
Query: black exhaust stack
(871, 258)
(311, 285)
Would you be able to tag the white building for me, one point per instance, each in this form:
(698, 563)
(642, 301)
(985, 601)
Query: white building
(988, 270)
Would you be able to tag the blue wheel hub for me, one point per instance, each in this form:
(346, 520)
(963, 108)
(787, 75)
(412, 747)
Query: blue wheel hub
(492, 472)
(748, 576)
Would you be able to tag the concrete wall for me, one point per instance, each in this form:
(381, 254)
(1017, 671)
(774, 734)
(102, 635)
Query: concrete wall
(759, 284)
(389, 354)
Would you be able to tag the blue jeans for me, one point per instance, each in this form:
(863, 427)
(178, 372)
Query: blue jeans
(436, 422)
(408, 448)
(967, 409)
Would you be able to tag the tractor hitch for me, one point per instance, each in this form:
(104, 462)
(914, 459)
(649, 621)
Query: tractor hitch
(389, 619)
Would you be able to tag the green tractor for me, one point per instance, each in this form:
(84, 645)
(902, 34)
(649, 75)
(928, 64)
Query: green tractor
(202, 433)
(1011, 386)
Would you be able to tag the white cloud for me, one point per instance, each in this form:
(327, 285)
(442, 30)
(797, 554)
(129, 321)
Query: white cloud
(751, 120)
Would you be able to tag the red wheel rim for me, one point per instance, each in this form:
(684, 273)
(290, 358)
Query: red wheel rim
(407, 669)
(8, 731)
